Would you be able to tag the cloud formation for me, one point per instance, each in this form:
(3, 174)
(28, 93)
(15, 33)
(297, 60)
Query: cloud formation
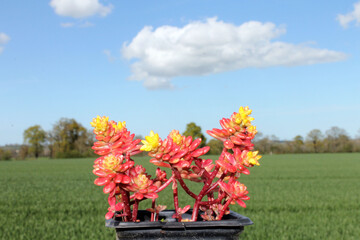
(109, 56)
(80, 24)
(213, 46)
(80, 8)
(345, 19)
(4, 39)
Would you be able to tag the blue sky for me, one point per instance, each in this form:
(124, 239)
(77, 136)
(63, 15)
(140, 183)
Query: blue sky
(159, 65)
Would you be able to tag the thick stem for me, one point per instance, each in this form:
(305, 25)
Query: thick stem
(215, 184)
(125, 198)
(152, 219)
(135, 210)
(182, 184)
(202, 193)
(219, 217)
(176, 200)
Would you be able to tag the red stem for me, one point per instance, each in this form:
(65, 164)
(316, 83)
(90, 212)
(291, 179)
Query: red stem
(126, 200)
(176, 201)
(203, 192)
(135, 210)
(215, 184)
(182, 184)
(214, 201)
(219, 217)
(152, 219)
(162, 187)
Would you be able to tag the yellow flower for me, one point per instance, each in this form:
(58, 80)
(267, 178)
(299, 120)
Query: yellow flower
(243, 118)
(176, 136)
(100, 123)
(151, 142)
(119, 126)
(251, 129)
(253, 158)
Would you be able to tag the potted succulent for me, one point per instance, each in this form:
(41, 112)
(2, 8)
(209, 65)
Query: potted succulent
(127, 184)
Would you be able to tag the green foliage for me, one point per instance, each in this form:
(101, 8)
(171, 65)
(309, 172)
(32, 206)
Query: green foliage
(35, 136)
(56, 199)
(195, 131)
(23, 152)
(5, 154)
(216, 146)
(69, 139)
(336, 140)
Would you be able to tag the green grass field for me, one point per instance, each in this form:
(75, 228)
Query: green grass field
(303, 196)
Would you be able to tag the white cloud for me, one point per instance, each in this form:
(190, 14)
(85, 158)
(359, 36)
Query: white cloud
(213, 46)
(4, 39)
(67, 24)
(80, 24)
(109, 56)
(80, 8)
(345, 19)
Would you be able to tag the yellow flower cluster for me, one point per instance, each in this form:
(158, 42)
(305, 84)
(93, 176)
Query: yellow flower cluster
(253, 158)
(119, 126)
(251, 129)
(100, 123)
(151, 142)
(176, 137)
(243, 118)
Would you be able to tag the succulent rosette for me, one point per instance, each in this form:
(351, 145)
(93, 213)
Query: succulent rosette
(141, 184)
(236, 191)
(236, 131)
(113, 137)
(176, 151)
(110, 170)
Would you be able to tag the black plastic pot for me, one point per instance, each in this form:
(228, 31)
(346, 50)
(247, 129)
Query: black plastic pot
(168, 228)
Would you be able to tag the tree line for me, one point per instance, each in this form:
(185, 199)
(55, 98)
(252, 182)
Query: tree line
(69, 139)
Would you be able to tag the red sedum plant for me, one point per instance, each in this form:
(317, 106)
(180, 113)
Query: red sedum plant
(127, 184)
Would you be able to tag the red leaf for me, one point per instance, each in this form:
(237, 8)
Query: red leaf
(200, 151)
(102, 152)
(195, 144)
(109, 215)
(228, 144)
(119, 206)
(118, 178)
(109, 187)
(181, 153)
(245, 198)
(188, 141)
(159, 163)
(236, 140)
(169, 144)
(100, 173)
(101, 181)
(241, 203)
(112, 201)
(245, 171)
(151, 195)
(115, 137)
(139, 196)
